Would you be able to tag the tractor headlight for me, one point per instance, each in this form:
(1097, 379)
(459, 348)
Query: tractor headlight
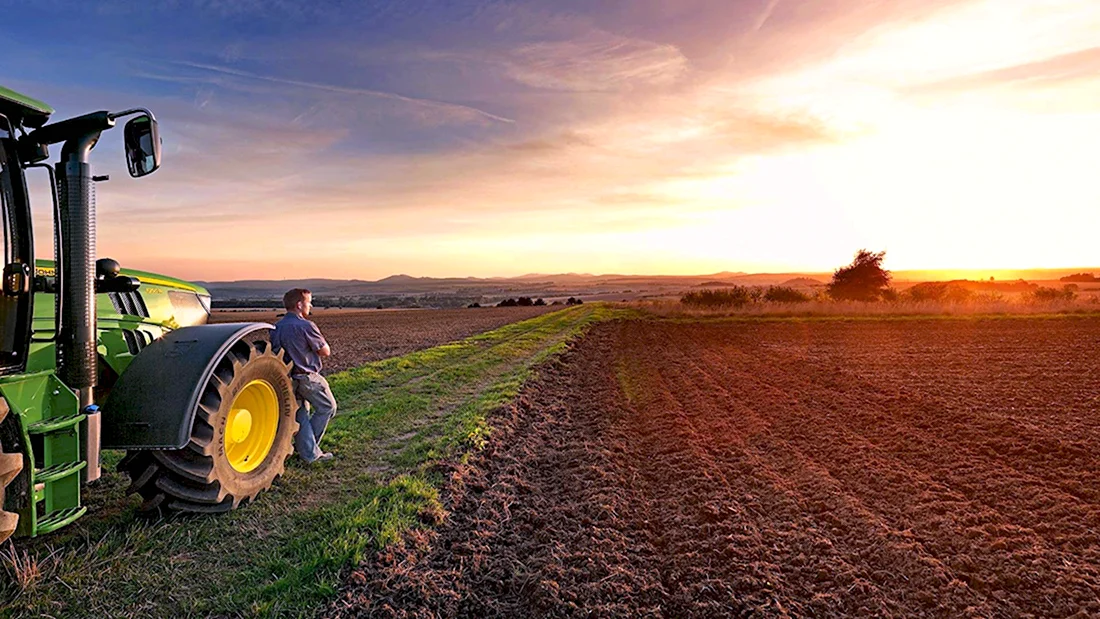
(189, 308)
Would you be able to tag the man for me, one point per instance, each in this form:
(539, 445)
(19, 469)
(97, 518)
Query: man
(302, 341)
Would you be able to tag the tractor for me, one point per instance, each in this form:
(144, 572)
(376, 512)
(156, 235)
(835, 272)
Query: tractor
(94, 356)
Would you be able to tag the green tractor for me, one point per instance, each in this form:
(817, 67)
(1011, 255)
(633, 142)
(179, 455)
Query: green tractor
(96, 357)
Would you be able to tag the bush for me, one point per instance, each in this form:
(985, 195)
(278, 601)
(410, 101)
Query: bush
(539, 302)
(508, 303)
(951, 292)
(784, 294)
(572, 301)
(473, 305)
(737, 296)
(1044, 294)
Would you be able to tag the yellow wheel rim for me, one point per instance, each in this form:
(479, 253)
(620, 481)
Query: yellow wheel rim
(251, 425)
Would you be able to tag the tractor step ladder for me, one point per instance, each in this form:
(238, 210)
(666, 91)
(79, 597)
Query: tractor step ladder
(57, 482)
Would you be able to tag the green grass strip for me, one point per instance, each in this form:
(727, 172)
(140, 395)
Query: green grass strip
(285, 554)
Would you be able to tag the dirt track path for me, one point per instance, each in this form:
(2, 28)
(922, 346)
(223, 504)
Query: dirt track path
(937, 468)
(360, 336)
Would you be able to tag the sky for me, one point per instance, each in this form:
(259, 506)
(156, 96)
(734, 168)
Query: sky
(495, 138)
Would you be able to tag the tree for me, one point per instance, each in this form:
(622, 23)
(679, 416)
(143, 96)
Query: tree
(863, 280)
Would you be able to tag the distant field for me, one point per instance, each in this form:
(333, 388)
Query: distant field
(359, 336)
(902, 467)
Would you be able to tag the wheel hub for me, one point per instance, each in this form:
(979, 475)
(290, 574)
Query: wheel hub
(240, 424)
(251, 426)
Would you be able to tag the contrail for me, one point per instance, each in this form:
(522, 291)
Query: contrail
(454, 107)
(760, 21)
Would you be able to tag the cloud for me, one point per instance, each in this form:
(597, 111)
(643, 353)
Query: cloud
(596, 63)
(765, 15)
(1078, 65)
(565, 140)
(440, 109)
(757, 133)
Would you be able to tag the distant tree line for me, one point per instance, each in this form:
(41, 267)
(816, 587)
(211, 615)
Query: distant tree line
(1081, 278)
(393, 302)
(521, 302)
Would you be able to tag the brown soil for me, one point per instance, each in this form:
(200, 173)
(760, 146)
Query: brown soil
(361, 336)
(874, 468)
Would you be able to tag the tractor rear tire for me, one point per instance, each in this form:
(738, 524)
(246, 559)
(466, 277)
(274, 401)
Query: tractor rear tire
(11, 464)
(242, 435)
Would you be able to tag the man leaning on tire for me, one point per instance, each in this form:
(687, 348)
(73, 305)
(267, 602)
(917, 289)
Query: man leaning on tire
(302, 341)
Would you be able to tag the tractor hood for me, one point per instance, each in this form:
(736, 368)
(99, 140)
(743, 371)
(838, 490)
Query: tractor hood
(46, 268)
(161, 300)
(126, 321)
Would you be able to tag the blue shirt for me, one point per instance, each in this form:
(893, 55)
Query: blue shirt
(301, 339)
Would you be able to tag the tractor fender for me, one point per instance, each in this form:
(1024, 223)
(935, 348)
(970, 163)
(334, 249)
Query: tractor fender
(153, 404)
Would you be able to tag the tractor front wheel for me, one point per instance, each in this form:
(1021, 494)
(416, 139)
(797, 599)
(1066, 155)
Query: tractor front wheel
(243, 432)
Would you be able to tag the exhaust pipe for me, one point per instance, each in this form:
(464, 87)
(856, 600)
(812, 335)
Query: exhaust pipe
(75, 301)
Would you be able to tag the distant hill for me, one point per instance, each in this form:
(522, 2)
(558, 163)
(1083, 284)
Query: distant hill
(534, 285)
(972, 286)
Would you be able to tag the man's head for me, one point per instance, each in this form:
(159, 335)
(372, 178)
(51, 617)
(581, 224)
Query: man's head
(299, 301)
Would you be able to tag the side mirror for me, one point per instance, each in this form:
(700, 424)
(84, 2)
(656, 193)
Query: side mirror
(142, 145)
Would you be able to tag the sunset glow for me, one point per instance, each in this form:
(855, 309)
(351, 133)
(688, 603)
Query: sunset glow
(663, 137)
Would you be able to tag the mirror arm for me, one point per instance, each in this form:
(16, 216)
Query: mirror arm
(131, 112)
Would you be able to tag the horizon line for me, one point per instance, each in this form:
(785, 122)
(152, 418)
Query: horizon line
(993, 271)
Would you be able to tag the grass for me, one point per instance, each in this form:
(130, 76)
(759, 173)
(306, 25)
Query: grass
(285, 555)
(23, 569)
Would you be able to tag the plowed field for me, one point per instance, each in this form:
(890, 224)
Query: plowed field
(362, 336)
(877, 468)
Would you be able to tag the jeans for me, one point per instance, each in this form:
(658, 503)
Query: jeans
(313, 392)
